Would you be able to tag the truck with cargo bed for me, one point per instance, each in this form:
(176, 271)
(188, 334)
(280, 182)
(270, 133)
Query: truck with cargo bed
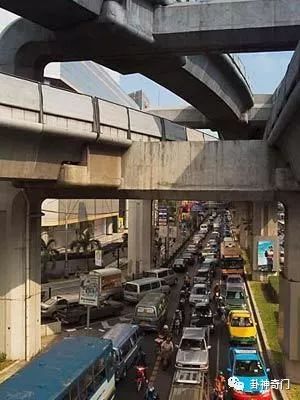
(231, 259)
(189, 385)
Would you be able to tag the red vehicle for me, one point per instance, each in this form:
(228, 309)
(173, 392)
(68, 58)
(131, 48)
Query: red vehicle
(141, 378)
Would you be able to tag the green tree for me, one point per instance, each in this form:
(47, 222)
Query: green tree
(48, 253)
(86, 244)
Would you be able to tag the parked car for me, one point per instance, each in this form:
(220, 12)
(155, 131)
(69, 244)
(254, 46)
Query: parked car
(241, 328)
(50, 307)
(74, 315)
(193, 350)
(180, 265)
(247, 366)
(199, 294)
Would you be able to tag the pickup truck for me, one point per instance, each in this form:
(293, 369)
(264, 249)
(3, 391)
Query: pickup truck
(189, 384)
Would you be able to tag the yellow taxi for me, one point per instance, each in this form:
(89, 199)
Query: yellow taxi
(242, 329)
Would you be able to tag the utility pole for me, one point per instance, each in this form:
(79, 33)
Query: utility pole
(66, 243)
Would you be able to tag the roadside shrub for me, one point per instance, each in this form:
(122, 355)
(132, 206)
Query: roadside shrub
(2, 357)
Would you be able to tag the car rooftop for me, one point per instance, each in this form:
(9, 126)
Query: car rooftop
(159, 270)
(193, 333)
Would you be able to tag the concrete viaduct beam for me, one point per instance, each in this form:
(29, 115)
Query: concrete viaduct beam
(256, 117)
(228, 26)
(222, 170)
(282, 130)
(55, 14)
(27, 48)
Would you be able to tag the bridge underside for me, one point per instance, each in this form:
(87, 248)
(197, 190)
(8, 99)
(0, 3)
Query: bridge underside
(231, 170)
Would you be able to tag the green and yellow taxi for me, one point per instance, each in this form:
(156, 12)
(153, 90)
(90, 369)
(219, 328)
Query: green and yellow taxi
(241, 327)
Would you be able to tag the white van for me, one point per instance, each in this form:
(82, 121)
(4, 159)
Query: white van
(134, 291)
(163, 273)
(203, 228)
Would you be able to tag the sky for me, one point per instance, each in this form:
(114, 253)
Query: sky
(264, 70)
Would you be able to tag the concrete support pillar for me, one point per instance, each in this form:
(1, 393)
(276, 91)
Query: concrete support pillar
(264, 227)
(241, 222)
(289, 292)
(20, 271)
(139, 236)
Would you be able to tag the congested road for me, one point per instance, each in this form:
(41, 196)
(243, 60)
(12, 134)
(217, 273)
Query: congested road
(161, 379)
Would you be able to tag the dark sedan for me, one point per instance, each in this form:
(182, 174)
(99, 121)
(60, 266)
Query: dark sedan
(74, 315)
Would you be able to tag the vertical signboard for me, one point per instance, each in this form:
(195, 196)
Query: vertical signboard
(265, 255)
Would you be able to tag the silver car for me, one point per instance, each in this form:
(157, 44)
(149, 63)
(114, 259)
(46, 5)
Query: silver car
(199, 294)
(50, 307)
(193, 350)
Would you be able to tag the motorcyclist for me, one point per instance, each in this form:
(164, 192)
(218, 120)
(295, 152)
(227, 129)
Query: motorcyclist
(181, 307)
(187, 280)
(151, 393)
(216, 292)
(167, 349)
(220, 384)
(177, 321)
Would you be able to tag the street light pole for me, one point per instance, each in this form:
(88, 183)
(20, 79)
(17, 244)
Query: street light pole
(66, 245)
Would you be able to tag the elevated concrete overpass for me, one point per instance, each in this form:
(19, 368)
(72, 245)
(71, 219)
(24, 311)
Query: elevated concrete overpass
(255, 119)
(178, 28)
(25, 49)
(282, 129)
(38, 122)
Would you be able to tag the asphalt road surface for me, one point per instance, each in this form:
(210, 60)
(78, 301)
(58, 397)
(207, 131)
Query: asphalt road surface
(162, 380)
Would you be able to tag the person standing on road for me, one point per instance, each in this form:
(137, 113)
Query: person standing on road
(167, 349)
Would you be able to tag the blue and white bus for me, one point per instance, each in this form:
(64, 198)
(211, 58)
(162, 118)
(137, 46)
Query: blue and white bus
(77, 368)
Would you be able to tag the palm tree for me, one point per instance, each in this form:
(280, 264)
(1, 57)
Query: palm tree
(48, 253)
(86, 244)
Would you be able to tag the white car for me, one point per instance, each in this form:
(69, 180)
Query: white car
(193, 350)
(199, 294)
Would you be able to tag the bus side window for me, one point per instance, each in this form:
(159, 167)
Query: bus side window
(86, 385)
(73, 393)
(99, 373)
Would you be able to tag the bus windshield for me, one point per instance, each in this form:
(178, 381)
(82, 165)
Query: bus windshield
(75, 368)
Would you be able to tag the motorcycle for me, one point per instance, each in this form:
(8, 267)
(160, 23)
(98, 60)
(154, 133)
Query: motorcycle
(141, 378)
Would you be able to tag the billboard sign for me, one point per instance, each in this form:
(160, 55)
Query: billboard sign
(265, 255)
(89, 290)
